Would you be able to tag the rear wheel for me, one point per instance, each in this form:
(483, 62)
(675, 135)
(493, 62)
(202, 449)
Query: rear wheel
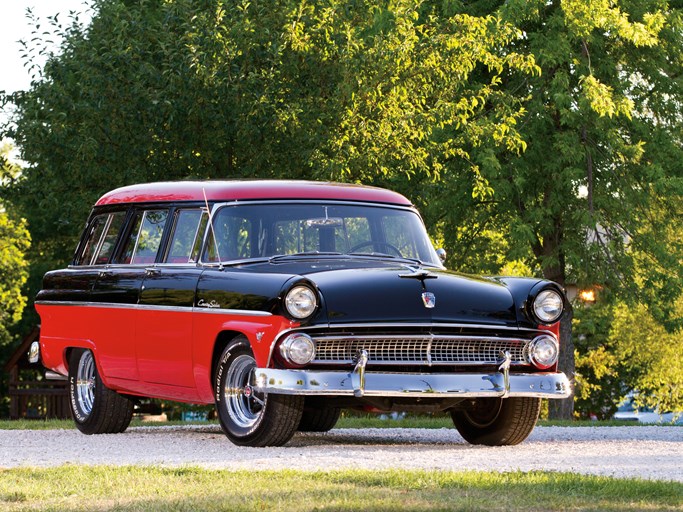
(319, 419)
(497, 421)
(249, 418)
(95, 408)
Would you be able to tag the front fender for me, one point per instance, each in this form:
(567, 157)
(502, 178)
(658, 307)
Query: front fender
(261, 332)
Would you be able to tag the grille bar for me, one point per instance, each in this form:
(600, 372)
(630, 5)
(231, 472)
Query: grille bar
(429, 350)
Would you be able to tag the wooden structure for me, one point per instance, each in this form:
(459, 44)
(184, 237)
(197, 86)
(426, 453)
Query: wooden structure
(32, 396)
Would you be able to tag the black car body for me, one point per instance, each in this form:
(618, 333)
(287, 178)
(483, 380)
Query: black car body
(284, 302)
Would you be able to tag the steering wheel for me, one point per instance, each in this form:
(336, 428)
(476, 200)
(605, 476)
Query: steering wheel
(384, 245)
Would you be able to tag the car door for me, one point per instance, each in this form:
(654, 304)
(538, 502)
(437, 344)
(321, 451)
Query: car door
(164, 321)
(117, 291)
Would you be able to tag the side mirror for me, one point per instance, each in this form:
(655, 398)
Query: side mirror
(441, 253)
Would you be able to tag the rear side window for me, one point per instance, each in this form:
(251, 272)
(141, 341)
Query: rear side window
(103, 232)
(144, 238)
(186, 240)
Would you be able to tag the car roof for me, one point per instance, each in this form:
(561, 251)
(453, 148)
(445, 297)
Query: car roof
(235, 190)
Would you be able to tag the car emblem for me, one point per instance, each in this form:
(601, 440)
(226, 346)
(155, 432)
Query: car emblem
(429, 299)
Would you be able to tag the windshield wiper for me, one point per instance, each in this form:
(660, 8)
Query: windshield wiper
(280, 257)
(383, 255)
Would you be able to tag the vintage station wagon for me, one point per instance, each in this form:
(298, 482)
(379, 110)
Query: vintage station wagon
(283, 302)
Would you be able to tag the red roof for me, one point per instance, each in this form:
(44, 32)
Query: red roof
(248, 190)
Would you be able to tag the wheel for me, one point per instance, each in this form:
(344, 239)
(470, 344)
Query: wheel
(384, 245)
(497, 421)
(95, 408)
(249, 418)
(318, 419)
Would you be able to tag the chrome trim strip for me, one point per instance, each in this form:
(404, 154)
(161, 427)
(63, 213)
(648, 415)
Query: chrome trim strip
(423, 337)
(154, 307)
(428, 325)
(416, 385)
(242, 312)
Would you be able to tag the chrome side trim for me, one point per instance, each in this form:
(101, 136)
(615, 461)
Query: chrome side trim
(416, 385)
(153, 307)
(241, 312)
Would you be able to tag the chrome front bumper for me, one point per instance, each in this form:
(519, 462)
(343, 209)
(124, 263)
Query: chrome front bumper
(422, 385)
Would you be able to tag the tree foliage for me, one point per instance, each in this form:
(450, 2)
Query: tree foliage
(622, 348)
(14, 242)
(168, 90)
(536, 136)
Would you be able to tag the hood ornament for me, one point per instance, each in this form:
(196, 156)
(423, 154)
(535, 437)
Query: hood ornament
(429, 300)
(420, 274)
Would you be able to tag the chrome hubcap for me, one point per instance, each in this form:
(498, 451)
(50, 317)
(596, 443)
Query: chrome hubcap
(244, 405)
(85, 383)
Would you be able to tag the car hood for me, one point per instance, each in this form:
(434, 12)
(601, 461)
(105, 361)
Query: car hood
(390, 292)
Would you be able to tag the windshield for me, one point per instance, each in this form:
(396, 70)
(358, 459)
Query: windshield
(267, 230)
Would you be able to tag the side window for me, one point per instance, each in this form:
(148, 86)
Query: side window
(103, 232)
(144, 239)
(96, 228)
(187, 236)
(111, 234)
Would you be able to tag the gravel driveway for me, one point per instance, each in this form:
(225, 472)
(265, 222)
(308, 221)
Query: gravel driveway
(645, 452)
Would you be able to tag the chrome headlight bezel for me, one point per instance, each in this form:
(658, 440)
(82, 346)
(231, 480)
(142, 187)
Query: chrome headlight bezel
(544, 351)
(548, 306)
(301, 302)
(297, 349)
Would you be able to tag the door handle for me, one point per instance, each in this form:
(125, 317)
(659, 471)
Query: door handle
(152, 271)
(105, 273)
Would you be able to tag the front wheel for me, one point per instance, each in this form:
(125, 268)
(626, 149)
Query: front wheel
(95, 408)
(249, 418)
(319, 419)
(497, 421)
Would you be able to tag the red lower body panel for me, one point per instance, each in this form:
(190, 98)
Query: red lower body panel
(155, 352)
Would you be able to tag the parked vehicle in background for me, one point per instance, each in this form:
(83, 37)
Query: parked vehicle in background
(629, 411)
(283, 302)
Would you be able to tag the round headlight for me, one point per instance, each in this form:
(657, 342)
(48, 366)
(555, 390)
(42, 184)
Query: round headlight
(298, 348)
(543, 351)
(301, 302)
(548, 306)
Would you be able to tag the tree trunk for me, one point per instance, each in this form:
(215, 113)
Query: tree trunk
(564, 409)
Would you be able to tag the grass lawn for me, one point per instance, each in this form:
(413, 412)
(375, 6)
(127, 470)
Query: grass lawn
(369, 421)
(146, 488)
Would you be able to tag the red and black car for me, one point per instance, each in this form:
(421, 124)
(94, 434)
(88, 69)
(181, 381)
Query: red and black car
(283, 302)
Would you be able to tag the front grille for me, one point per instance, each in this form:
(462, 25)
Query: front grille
(420, 349)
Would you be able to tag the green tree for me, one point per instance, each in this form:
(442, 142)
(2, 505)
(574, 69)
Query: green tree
(541, 136)
(14, 243)
(603, 134)
(622, 348)
(184, 89)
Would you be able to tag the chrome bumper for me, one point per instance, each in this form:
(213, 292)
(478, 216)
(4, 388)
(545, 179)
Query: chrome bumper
(423, 385)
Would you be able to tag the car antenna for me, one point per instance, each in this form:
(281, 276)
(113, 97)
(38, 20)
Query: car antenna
(213, 231)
